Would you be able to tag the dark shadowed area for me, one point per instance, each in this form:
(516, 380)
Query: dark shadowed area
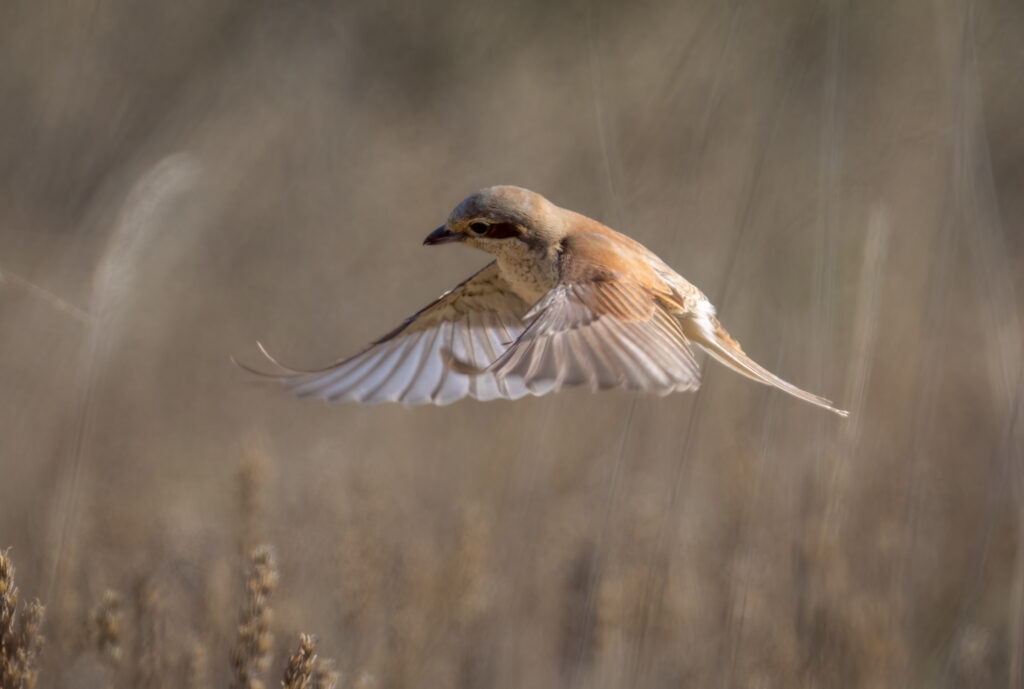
(845, 181)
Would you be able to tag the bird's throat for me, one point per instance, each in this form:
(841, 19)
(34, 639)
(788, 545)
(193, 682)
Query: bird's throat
(530, 275)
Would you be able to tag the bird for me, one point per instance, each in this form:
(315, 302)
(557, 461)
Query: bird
(565, 302)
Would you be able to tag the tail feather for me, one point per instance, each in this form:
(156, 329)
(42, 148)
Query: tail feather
(720, 345)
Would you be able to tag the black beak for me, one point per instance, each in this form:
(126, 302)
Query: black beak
(442, 235)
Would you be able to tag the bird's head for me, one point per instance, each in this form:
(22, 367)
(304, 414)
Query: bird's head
(500, 219)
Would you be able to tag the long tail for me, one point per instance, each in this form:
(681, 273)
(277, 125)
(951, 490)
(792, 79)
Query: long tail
(719, 344)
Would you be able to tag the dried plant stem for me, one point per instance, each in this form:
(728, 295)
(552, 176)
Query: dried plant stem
(252, 480)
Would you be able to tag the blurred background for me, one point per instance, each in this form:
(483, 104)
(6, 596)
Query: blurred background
(843, 179)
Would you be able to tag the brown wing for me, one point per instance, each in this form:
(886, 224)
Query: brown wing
(476, 322)
(599, 329)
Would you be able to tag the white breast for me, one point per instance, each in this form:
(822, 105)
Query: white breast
(530, 275)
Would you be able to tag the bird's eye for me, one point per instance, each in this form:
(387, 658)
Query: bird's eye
(478, 227)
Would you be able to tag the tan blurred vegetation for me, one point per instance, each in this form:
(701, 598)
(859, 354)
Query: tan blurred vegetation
(844, 180)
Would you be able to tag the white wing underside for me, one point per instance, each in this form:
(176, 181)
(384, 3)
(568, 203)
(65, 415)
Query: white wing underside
(476, 322)
(412, 369)
(567, 345)
(481, 341)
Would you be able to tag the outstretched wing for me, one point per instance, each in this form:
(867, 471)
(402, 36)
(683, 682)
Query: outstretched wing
(475, 322)
(599, 329)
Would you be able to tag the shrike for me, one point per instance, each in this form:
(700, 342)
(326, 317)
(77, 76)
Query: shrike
(566, 302)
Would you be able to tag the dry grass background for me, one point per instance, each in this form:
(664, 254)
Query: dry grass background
(844, 179)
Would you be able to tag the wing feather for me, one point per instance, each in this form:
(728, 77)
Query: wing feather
(603, 333)
(476, 321)
(481, 340)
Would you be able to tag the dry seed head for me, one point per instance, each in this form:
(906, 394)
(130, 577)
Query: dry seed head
(105, 627)
(250, 656)
(299, 673)
(31, 626)
(20, 639)
(30, 642)
(8, 595)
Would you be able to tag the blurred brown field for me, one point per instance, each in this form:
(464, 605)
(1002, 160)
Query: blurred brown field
(845, 180)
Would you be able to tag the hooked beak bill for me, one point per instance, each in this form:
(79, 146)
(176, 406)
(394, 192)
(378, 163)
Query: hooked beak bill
(442, 235)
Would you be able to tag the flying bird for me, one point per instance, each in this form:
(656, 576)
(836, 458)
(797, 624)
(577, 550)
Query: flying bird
(566, 302)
